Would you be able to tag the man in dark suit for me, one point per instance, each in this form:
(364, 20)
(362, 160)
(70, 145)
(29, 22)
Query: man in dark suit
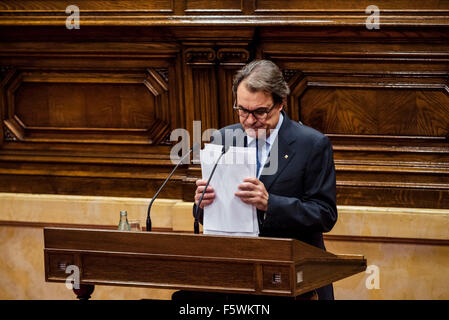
(298, 198)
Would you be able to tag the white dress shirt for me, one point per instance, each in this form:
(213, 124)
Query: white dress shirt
(264, 148)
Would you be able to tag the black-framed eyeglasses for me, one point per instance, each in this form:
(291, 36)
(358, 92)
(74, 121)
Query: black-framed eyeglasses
(259, 113)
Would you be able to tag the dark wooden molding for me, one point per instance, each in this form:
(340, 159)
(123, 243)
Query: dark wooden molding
(185, 13)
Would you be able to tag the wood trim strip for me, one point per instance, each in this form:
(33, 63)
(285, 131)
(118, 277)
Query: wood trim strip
(28, 224)
(174, 257)
(327, 237)
(432, 242)
(22, 19)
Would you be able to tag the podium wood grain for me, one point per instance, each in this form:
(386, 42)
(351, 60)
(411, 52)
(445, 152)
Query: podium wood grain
(261, 266)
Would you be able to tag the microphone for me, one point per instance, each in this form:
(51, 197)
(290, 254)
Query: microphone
(194, 148)
(196, 226)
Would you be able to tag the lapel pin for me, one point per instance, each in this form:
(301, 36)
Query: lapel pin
(286, 156)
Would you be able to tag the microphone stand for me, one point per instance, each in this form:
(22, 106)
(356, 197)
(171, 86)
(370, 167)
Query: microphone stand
(148, 229)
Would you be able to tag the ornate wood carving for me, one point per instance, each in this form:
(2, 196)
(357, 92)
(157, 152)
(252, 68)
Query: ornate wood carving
(200, 56)
(289, 74)
(233, 55)
(4, 70)
(8, 135)
(163, 72)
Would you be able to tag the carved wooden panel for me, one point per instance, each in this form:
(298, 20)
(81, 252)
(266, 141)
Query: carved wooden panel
(385, 108)
(87, 107)
(88, 117)
(210, 72)
(377, 111)
(227, 114)
(230, 61)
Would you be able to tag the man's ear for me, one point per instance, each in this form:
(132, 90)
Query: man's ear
(283, 103)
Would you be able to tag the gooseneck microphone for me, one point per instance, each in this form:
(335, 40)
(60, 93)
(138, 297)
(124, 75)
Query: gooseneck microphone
(195, 147)
(196, 225)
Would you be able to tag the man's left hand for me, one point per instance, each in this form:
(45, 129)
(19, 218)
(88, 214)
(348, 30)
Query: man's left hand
(252, 191)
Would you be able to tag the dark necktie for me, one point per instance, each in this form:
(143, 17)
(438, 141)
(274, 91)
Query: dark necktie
(257, 156)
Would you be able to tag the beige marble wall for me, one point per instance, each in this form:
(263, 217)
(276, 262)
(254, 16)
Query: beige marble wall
(406, 271)
(412, 254)
(415, 270)
(22, 273)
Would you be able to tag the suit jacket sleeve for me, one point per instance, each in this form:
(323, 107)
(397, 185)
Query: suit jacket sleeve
(316, 210)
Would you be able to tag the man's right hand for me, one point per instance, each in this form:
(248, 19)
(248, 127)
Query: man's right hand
(209, 195)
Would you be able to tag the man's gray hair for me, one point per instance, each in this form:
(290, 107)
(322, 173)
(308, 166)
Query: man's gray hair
(262, 75)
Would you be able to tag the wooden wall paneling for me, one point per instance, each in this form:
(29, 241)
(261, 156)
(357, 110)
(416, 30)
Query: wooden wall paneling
(89, 7)
(227, 114)
(94, 106)
(98, 186)
(5, 73)
(176, 93)
(217, 50)
(385, 108)
(201, 100)
(224, 57)
(116, 173)
(297, 83)
(210, 7)
(230, 60)
(380, 95)
(348, 7)
(392, 197)
(155, 74)
(89, 119)
(398, 106)
(11, 79)
(157, 83)
(201, 87)
(229, 12)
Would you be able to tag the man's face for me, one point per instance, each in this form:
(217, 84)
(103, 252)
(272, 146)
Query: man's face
(253, 101)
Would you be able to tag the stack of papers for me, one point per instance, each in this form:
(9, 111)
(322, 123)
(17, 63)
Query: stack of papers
(228, 215)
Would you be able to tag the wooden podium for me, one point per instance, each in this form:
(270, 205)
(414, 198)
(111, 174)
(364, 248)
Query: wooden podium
(258, 266)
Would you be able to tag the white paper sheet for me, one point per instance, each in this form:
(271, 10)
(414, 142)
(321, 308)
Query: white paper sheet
(228, 215)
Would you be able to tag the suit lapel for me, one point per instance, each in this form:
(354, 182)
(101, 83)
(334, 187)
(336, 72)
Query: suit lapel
(284, 153)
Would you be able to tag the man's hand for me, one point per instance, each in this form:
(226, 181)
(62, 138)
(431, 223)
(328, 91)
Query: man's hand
(252, 191)
(209, 195)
